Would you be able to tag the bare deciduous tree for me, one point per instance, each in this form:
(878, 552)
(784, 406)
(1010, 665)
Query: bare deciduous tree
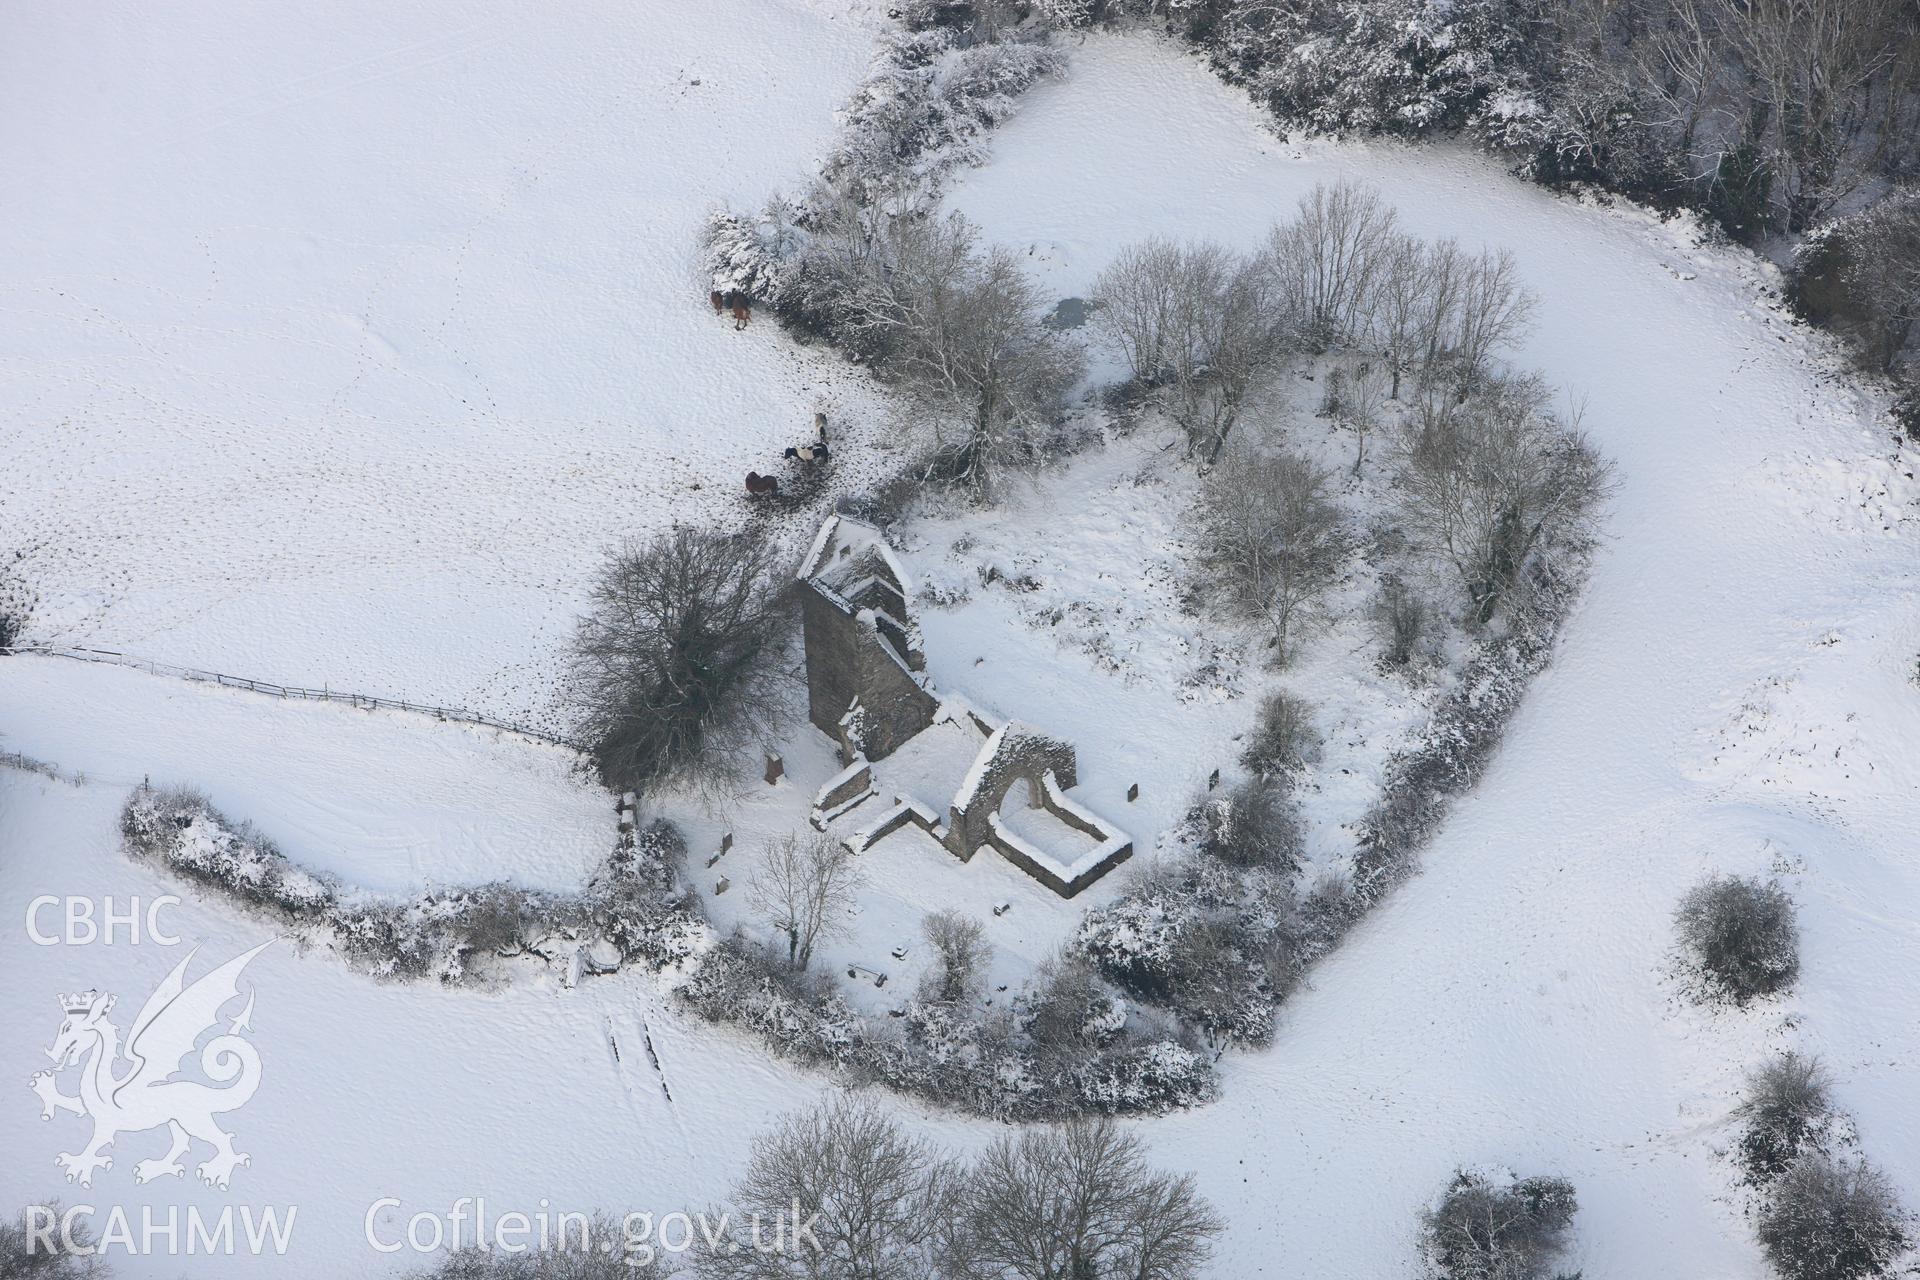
(1136, 297)
(960, 331)
(1810, 65)
(669, 669)
(1486, 478)
(805, 887)
(34, 1247)
(1246, 339)
(1079, 1201)
(1273, 540)
(1199, 319)
(959, 949)
(1494, 312)
(596, 1248)
(884, 1201)
(1363, 401)
(1328, 258)
(1399, 304)
(1444, 270)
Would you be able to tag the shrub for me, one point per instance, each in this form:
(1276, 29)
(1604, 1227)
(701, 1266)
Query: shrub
(1254, 824)
(798, 1013)
(1494, 1227)
(1861, 276)
(670, 668)
(1284, 739)
(17, 603)
(959, 949)
(1830, 1219)
(1784, 1115)
(1327, 911)
(1067, 1009)
(1740, 935)
(1132, 942)
(1214, 945)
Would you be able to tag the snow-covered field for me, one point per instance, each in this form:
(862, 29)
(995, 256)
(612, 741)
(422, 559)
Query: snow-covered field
(231, 473)
(341, 341)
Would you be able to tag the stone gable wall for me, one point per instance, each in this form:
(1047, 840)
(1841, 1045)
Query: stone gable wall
(848, 661)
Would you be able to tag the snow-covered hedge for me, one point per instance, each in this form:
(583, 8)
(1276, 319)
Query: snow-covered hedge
(631, 904)
(1860, 276)
(1221, 937)
(960, 1057)
(924, 110)
(1218, 946)
(1422, 782)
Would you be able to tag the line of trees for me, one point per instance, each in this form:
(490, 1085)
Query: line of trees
(1210, 326)
(1765, 113)
(1486, 475)
(1072, 1202)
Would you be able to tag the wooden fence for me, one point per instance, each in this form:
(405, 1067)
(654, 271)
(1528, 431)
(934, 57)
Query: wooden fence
(362, 700)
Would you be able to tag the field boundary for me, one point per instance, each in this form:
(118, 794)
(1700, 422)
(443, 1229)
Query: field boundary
(364, 701)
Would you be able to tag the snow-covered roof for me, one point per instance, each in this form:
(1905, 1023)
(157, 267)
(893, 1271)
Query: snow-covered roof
(840, 533)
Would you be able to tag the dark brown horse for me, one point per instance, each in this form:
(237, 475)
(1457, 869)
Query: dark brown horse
(759, 486)
(742, 312)
(719, 301)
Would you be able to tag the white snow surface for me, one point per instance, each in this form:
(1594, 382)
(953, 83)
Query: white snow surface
(342, 340)
(1732, 694)
(387, 801)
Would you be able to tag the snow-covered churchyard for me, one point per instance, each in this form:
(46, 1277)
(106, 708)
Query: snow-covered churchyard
(1178, 729)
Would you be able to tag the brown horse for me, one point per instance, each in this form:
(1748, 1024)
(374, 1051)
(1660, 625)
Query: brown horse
(742, 312)
(759, 486)
(719, 302)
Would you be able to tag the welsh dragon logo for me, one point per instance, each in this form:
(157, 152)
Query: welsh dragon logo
(143, 1094)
